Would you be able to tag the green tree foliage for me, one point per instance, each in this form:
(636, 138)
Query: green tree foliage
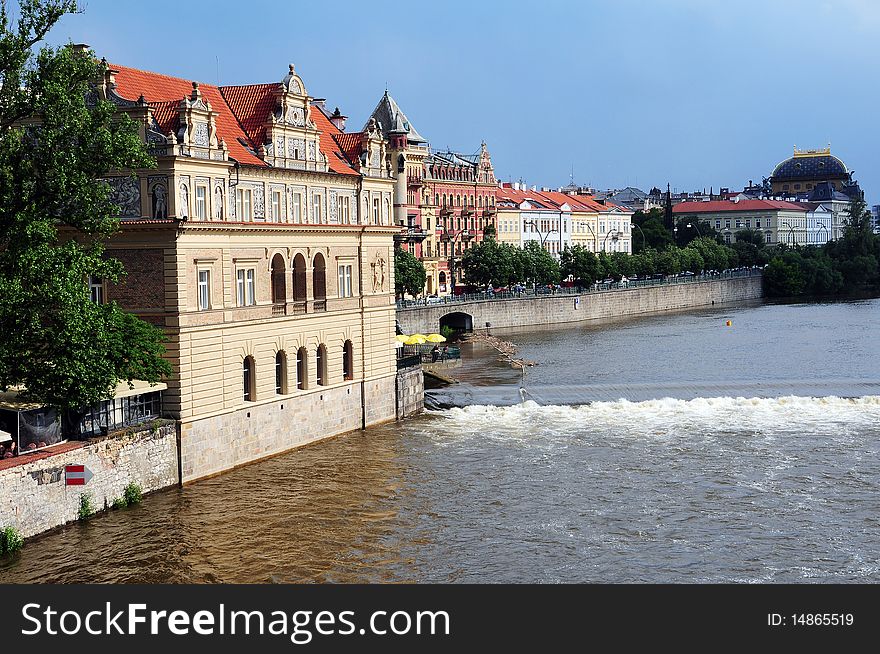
(581, 265)
(409, 273)
(489, 231)
(782, 279)
(656, 236)
(690, 229)
(849, 264)
(55, 214)
(752, 236)
(535, 264)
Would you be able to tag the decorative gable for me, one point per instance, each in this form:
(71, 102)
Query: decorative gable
(197, 128)
(292, 138)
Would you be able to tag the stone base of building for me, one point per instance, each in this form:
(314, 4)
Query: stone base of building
(258, 430)
(410, 392)
(33, 494)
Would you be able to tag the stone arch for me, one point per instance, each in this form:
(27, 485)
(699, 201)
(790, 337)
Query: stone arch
(458, 321)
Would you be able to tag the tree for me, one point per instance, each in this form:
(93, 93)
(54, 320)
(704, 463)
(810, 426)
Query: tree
(580, 264)
(752, 236)
(537, 265)
(689, 229)
(783, 279)
(656, 236)
(409, 273)
(489, 231)
(490, 262)
(64, 350)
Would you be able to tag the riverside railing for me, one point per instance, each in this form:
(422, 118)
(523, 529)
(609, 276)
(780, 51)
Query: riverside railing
(598, 287)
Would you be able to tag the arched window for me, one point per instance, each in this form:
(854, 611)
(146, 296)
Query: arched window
(302, 369)
(247, 370)
(348, 361)
(281, 373)
(319, 282)
(436, 199)
(279, 281)
(299, 278)
(321, 361)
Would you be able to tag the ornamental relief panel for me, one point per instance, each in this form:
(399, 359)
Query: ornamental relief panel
(332, 207)
(200, 134)
(296, 116)
(259, 201)
(312, 151)
(125, 192)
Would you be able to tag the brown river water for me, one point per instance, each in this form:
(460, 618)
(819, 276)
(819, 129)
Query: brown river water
(661, 449)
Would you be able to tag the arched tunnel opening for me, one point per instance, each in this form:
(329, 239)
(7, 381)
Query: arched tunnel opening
(458, 322)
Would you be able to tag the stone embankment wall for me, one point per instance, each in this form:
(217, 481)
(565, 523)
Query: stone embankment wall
(557, 309)
(34, 497)
(410, 392)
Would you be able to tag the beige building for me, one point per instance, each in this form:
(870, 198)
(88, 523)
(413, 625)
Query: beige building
(262, 244)
(778, 221)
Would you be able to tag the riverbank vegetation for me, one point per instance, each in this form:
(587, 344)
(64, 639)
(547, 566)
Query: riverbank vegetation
(849, 265)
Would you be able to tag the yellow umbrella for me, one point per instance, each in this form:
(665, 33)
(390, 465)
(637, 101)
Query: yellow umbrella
(415, 339)
(402, 338)
(422, 336)
(436, 338)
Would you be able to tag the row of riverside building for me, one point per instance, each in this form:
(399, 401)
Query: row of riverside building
(262, 243)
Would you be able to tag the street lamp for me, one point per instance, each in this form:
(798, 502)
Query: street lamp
(595, 237)
(644, 240)
(695, 226)
(827, 233)
(790, 232)
(614, 236)
(543, 238)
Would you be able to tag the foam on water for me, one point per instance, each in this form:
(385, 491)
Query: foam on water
(669, 418)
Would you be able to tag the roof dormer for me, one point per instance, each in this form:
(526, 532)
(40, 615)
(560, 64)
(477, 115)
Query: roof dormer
(292, 140)
(197, 127)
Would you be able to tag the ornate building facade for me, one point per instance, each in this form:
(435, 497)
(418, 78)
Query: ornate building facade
(262, 243)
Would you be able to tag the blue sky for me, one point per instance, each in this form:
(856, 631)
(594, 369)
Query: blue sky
(698, 93)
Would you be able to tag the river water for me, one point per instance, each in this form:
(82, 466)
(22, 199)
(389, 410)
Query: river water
(668, 448)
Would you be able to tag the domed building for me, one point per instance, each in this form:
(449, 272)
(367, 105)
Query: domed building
(807, 169)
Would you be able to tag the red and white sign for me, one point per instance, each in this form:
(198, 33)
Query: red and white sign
(76, 475)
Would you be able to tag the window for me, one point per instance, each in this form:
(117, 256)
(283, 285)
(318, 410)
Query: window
(245, 287)
(276, 206)
(297, 207)
(202, 202)
(281, 373)
(248, 379)
(345, 210)
(316, 205)
(757, 223)
(96, 289)
(769, 236)
(302, 369)
(345, 281)
(321, 361)
(204, 290)
(348, 361)
(244, 205)
(375, 211)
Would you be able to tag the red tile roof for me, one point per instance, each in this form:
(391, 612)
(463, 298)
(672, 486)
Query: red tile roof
(335, 159)
(243, 112)
(163, 91)
(252, 105)
(351, 144)
(743, 205)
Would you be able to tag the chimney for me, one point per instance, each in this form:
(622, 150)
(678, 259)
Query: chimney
(338, 120)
